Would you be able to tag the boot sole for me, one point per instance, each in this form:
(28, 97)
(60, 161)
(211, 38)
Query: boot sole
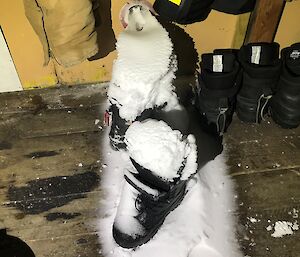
(286, 124)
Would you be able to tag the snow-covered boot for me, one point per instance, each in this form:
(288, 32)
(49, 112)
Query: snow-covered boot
(117, 129)
(162, 162)
(119, 126)
(219, 81)
(143, 74)
(261, 69)
(285, 105)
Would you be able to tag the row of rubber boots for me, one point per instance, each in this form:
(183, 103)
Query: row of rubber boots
(253, 81)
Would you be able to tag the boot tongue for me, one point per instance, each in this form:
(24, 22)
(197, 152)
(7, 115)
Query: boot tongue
(147, 177)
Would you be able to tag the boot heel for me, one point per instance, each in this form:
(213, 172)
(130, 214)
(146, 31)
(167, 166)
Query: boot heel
(283, 122)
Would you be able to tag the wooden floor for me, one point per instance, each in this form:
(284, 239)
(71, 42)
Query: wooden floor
(50, 141)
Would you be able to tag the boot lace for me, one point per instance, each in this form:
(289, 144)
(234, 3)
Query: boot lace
(221, 120)
(262, 103)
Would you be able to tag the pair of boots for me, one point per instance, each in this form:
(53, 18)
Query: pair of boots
(247, 81)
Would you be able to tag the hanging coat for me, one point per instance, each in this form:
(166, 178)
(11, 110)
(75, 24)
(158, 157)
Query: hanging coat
(190, 11)
(234, 6)
(66, 29)
(183, 11)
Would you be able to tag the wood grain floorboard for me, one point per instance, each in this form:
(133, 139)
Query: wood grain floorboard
(53, 139)
(52, 98)
(42, 157)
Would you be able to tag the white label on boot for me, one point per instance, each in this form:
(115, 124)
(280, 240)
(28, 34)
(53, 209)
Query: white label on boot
(255, 57)
(217, 63)
(295, 54)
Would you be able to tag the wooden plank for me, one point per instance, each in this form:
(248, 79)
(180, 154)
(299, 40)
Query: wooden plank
(260, 148)
(51, 122)
(77, 217)
(53, 98)
(240, 30)
(264, 21)
(264, 161)
(264, 199)
(256, 234)
(44, 157)
(58, 122)
(269, 190)
(256, 239)
(30, 166)
(263, 156)
(83, 245)
(239, 131)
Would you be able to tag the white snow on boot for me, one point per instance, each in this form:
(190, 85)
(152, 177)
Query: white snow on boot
(156, 147)
(145, 68)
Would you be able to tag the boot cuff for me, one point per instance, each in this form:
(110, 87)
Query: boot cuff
(291, 58)
(219, 71)
(263, 54)
(218, 62)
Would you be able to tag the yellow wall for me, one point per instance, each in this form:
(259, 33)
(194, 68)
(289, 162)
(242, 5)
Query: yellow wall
(215, 32)
(219, 30)
(289, 27)
(24, 46)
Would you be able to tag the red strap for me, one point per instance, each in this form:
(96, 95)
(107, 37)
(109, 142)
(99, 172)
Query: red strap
(107, 118)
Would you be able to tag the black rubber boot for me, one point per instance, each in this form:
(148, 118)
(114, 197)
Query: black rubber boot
(219, 82)
(11, 246)
(285, 105)
(261, 69)
(151, 210)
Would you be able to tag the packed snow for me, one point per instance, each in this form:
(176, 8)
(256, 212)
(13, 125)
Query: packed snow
(283, 228)
(157, 137)
(253, 220)
(144, 70)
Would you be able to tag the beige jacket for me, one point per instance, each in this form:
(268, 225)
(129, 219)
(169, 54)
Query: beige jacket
(66, 29)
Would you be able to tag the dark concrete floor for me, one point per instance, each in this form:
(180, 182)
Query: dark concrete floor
(49, 141)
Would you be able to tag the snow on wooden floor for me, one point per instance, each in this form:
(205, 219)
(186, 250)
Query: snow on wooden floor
(50, 159)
